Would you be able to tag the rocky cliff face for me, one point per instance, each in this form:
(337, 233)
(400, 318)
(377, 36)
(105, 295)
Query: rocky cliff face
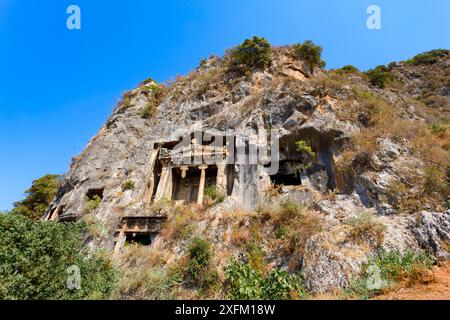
(364, 151)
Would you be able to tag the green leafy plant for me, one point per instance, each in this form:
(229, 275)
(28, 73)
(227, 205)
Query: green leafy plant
(392, 268)
(36, 259)
(148, 111)
(252, 53)
(199, 270)
(429, 57)
(93, 203)
(303, 146)
(213, 194)
(128, 185)
(311, 53)
(380, 76)
(247, 283)
(348, 69)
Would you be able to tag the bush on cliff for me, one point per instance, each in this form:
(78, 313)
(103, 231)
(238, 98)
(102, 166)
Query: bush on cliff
(38, 197)
(252, 53)
(311, 53)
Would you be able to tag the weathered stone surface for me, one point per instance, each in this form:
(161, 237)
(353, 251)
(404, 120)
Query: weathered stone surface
(332, 261)
(432, 231)
(281, 97)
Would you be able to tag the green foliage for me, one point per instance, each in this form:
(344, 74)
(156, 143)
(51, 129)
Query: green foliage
(255, 257)
(429, 57)
(148, 111)
(252, 53)
(438, 128)
(247, 283)
(38, 197)
(152, 88)
(347, 70)
(93, 203)
(128, 185)
(281, 231)
(213, 194)
(380, 76)
(309, 52)
(35, 257)
(302, 146)
(448, 203)
(199, 270)
(290, 209)
(394, 267)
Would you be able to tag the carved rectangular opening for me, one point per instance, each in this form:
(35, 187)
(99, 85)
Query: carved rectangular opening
(91, 193)
(140, 238)
(289, 173)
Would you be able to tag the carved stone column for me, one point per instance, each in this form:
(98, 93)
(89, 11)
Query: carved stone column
(151, 179)
(164, 190)
(184, 170)
(221, 179)
(201, 186)
(120, 241)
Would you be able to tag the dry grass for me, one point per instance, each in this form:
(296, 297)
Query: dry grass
(365, 227)
(180, 223)
(294, 225)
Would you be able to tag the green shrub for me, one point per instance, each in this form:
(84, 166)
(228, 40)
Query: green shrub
(309, 52)
(38, 197)
(380, 76)
(429, 57)
(148, 111)
(35, 258)
(213, 194)
(438, 128)
(392, 268)
(303, 146)
(247, 283)
(199, 270)
(128, 185)
(152, 88)
(93, 203)
(252, 53)
(347, 70)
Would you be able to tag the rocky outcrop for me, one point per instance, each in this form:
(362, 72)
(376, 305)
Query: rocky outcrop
(131, 157)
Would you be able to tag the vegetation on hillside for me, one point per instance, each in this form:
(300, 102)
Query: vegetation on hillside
(311, 53)
(38, 197)
(41, 260)
(252, 53)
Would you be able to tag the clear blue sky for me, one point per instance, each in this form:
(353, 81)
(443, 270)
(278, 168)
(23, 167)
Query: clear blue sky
(57, 87)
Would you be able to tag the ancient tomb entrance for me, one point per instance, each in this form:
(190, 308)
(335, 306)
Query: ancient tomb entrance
(187, 182)
(183, 169)
(289, 173)
(311, 168)
(138, 230)
(141, 238)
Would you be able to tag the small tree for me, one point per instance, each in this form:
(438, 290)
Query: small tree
(199, 269)
(252, 53)
(38, 197)
(311, 53)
